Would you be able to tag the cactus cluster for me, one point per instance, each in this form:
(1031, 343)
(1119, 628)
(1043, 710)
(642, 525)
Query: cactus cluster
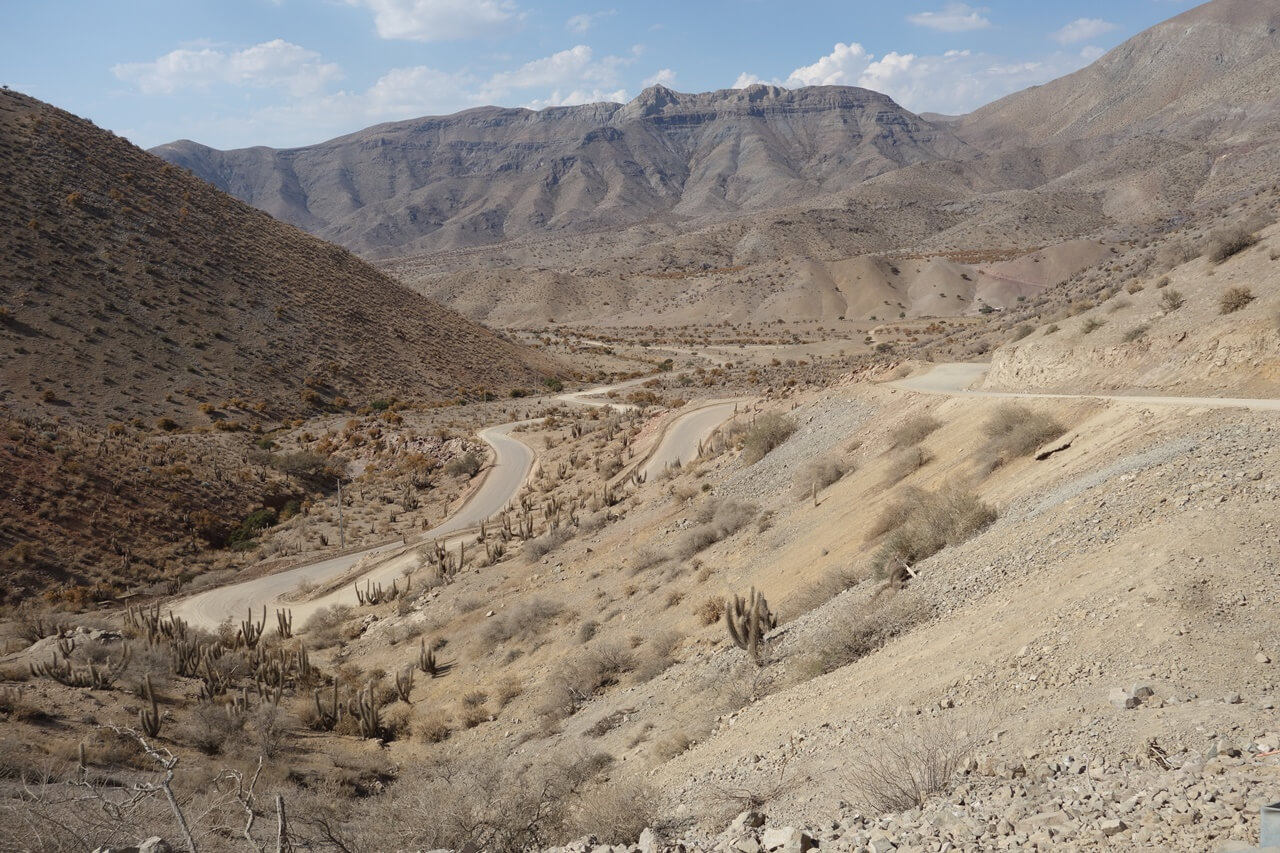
(93, 676)
(374, 593)
(748, 621)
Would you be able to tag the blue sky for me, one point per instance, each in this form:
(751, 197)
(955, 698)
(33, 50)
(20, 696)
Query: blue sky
(235, 73)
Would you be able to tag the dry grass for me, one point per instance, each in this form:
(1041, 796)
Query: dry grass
(906, 463)
(905, 766)
(766, 433)
(1013, 431)
(921, 523)
(1171, 300)
(1227, 242)
(819, 474)
(1234, 298)
(523, 620)
(719, 520)
(856, 634)
(914, 430)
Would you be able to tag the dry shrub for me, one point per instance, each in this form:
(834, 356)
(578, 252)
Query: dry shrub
(660, 654)
(325, 627)
(1135, 334)
(671, 744)
(431, 727)
(767, 432)
(522, 621)
(646, 558)
(603, 665)
(719, 520)
(922, 523)
(915, 430)
(1133, 287)
(1020, 332)
(819, 474)
(1091, 325)
(1234, 298)
(536, 549)
(710, 610)
(901, 768)
(615, 813)
(905, 463)
(856, 634)
(819, 592)
(1171, 300)
(1224, 243)
(211, 728)
(1015, 430)
(508, 689)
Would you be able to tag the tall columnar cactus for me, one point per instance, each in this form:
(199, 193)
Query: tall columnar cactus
(404, 684)
(365, 709)
(250, 631)
(149, 717)
(327, 713)
(284, 623)
(427, 659)
(748, 621)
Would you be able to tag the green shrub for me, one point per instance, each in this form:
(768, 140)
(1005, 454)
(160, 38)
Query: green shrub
(765, 434)
(242, 535)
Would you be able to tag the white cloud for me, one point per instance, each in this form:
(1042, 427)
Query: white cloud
(575, 70)
(955, 18)
(587, 20)
(578, 96)
(1091, 52)
(273, 64)
(841, 67)
(665, 77)
(954, 82)
(1082, 29)
(441, 20)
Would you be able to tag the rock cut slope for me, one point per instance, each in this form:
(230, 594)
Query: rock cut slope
(129, 288)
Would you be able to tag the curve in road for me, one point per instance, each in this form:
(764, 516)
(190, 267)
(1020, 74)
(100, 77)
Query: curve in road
(513, 461)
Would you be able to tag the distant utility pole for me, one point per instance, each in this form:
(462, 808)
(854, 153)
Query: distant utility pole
(342, 535)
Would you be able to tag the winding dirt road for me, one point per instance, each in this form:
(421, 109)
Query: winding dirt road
(513, 461)
(957, 380)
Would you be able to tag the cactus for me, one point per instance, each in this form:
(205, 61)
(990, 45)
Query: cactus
(404, 684)
(284, 624)
(327, 714)
(251, 632)
(149, 717)
(365, 710)
(306, 672)
(427, 660)
(748, 620)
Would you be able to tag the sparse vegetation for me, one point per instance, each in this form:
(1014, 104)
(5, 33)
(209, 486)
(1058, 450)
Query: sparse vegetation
(921, 523)
(766, 433)
(1234, 298)
(1013, 431)
(1171, 300)
(1226, 243)
(915, 430)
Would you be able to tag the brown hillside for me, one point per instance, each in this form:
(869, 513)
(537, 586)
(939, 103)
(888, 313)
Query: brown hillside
(130, 288)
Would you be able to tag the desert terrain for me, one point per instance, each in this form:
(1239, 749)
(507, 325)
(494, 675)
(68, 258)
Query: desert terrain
(918, 499)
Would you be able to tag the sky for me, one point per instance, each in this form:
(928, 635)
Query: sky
(284, 73)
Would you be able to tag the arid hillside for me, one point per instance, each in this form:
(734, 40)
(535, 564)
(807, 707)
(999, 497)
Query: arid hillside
(130, 289)
(489, 174)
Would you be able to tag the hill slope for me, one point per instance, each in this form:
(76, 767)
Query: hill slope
(489, 174)
(131, 289)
